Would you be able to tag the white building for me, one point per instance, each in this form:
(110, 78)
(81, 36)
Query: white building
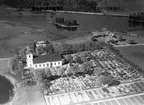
(40, 43)
(44, 61)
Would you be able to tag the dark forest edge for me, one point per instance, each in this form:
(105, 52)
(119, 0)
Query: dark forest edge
(64, 5)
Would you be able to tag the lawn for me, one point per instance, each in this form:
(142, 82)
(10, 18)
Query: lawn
(134, 54)
(3, 66)
(135, 38)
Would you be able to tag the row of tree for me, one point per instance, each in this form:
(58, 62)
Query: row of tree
(38, 50)
(40, 8)
(111, 8)
(63, 47)
(83, 46)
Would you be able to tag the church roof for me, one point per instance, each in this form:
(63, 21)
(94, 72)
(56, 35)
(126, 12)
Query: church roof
(47, 58)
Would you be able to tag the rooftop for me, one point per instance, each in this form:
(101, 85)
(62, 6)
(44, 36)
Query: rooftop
(47, 58)
(40, 42)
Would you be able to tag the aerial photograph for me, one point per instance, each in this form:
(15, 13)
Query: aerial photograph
(71, 52)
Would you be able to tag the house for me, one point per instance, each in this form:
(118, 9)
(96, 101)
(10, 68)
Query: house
(41, 43)
(97, 34)
(43, 61)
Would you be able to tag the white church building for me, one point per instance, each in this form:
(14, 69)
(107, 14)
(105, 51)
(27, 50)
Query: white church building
(43, 61)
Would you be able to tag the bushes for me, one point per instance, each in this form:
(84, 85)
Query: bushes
(132, 42)
(84, 67)
(15, 64)
(106, 79)
(49, 48)
(114, 83)
(77, 59)
(39, 50)
(68, 58)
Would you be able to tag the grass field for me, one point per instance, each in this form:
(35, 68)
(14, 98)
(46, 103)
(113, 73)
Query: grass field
(3, 66)
(134, 54)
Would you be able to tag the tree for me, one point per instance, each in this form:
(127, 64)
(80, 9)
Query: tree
(76, 47)
(39, 50)
(83, 54)
(77, 59)
(106, 79)
(114, 83)
(14, 64)
(84, 67)
(132, 42)
(34, 46)
(98, 72)
(89, 55)
(48, 72)
(60, 71)
(22, 52)
(69, 58)
(67, 47)
(49, 48)
(47, 42)
(72, 70)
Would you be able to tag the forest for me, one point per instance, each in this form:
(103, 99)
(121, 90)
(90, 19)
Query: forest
(67, 5)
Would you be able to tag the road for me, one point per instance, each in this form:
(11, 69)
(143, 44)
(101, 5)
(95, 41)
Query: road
(5, 58)
(128, 45)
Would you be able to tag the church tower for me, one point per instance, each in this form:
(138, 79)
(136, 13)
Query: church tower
(29, 58)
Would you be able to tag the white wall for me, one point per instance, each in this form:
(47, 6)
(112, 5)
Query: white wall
(44, 65)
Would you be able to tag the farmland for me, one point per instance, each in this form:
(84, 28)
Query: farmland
(134, 54)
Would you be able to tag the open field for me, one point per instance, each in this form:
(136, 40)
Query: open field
(137, 39)
(14, 36)
(3, 66)
(134, 54)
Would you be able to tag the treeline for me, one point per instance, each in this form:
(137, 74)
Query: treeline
(63, 48)
(40, 8)
(67, 5)
(137, 17)
(112, 8)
